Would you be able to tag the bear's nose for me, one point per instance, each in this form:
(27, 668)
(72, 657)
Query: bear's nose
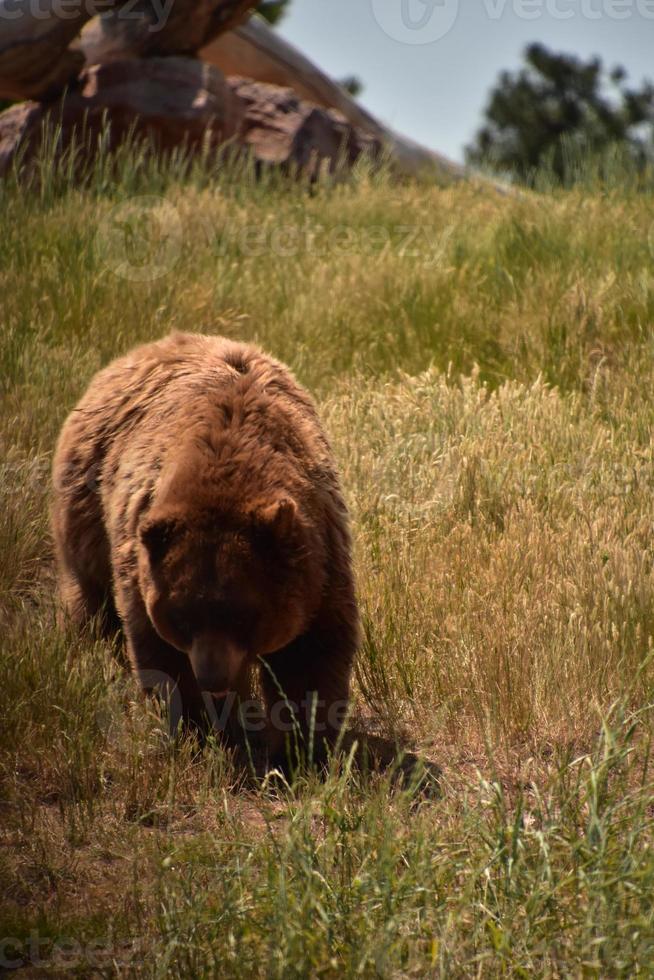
(216, 663)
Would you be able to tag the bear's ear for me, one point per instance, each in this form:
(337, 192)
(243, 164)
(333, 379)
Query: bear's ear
(279, 516)
(157, 537)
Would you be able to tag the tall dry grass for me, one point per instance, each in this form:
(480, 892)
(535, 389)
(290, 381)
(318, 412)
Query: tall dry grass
(483, 364)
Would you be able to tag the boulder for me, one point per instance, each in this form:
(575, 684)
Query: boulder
(170, 101)
(35, 59)
(279, 128)
(182, 102)
(262, 54)
(38, 58)
(158, 27)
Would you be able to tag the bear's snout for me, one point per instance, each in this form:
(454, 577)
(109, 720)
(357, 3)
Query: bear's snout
(216, 663)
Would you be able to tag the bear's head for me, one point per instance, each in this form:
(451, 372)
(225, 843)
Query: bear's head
(226, 585)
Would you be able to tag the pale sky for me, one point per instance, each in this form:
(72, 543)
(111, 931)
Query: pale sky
(435, 90)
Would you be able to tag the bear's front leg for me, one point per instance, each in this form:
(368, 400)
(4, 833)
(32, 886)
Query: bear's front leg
(161, 668)
(164, 670)
(306, 689)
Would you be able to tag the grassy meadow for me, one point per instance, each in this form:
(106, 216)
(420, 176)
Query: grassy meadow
(484, 365)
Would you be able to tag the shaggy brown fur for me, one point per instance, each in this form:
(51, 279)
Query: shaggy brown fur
(196, 503)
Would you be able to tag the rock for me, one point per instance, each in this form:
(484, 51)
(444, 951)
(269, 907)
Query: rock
(181, 102)
(158, 27)
(35, 60)
(279, 128)
(255, 50)
(171, 101)
(36, 56)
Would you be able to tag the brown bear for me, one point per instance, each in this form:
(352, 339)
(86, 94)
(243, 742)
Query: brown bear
(196, 504)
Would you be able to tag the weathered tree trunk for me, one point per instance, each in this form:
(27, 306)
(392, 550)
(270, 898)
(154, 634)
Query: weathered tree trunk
(36, 56)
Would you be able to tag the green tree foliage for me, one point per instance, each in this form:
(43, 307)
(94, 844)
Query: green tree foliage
(557, 104)
(352, 84)
(273, 10)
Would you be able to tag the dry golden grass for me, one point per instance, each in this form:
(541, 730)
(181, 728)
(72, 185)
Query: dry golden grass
(484, 365)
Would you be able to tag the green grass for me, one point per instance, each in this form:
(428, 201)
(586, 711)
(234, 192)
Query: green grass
(484, 364)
